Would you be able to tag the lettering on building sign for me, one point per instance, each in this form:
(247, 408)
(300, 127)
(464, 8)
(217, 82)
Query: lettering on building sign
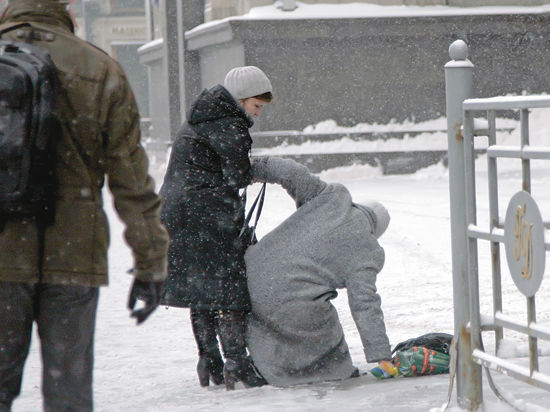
(523, 248)
(128, 30)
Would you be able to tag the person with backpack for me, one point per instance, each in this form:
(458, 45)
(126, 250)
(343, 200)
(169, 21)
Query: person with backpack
(330, 242)
(53, 258)
(204, 214)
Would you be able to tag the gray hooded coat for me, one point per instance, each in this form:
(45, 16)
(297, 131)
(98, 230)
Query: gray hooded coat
(294, 335)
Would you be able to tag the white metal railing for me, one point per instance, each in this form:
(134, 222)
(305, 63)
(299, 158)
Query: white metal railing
(522, 231)
(527, 283)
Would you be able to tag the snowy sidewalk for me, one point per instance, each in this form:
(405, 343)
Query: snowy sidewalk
(152, 367)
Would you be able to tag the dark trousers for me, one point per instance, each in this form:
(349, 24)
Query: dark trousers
(65, 316)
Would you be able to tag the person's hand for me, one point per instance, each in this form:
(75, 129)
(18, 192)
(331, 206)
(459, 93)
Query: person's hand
(385, 369)
(149, 293)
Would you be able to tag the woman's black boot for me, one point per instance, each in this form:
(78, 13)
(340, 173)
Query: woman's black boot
(210, 365)
(210, 369)
(241, 370)
(238, 366)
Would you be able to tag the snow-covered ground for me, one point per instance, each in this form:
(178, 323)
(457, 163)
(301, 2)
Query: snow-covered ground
(152, 367)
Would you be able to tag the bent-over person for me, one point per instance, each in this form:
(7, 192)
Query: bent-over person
(329, 243)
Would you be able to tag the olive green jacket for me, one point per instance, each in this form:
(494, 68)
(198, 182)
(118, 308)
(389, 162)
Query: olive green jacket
(100, 138)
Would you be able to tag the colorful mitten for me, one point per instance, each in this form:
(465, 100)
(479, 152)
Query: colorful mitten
(385, 370)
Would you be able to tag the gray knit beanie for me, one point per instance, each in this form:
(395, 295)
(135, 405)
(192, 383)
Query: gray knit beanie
(247, 81)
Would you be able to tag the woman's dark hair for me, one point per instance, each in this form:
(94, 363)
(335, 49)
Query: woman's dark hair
(266, 97)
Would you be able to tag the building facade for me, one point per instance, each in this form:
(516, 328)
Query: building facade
(119, 28)
(363, 69)
(353, 70)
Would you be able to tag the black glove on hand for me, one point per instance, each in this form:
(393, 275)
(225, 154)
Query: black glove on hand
(149, 292)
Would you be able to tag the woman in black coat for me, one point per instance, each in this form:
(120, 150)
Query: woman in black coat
(204, 213)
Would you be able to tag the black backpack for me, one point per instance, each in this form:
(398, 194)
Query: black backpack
(438, 341)
(29, 126)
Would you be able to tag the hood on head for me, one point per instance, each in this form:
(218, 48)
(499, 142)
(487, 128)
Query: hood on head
(377, 214)
(214, 104)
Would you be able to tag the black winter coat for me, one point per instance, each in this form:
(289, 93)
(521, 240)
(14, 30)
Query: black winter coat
(203, 211)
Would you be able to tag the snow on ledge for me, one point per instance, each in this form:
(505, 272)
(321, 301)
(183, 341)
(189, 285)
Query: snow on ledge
(153, 44)
(365, 10)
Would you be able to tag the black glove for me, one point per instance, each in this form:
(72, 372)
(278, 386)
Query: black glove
(149, 292)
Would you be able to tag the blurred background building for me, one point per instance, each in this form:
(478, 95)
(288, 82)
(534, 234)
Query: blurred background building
(352, 70)
(119, 28)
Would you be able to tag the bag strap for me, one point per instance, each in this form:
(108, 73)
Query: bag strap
(12, 26)
(258, 201)
(261, 196)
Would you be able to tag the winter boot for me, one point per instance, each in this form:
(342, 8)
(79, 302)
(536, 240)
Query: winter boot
(210, 366)
(238, 366)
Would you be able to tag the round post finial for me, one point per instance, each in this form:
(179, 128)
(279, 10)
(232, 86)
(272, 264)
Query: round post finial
(458, 50)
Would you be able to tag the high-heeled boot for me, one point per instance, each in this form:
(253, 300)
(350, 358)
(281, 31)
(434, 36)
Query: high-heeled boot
(238, 366)
(210, 365)
(210, 369)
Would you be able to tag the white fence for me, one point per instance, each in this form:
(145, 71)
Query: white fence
(521, 230)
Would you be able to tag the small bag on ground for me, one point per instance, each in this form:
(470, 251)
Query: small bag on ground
(419, 360)
(425, 355)
(440, 342)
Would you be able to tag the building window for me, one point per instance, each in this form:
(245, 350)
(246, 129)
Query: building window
(127, 6)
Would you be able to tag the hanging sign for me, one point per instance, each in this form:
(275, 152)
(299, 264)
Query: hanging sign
(524, 243)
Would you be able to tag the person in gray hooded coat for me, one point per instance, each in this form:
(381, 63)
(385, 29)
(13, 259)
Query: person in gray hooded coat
(293, 333)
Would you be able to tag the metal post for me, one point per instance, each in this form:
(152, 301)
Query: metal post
(525, 163)
(458, 87)
(471, 401)
(494, 223)
(533, 342)
(149, 20)
(526, 185)
(180, 53)
(171, 63)
(193, 15)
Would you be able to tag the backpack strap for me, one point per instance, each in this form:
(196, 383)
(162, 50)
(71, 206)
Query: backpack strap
(12, 26)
